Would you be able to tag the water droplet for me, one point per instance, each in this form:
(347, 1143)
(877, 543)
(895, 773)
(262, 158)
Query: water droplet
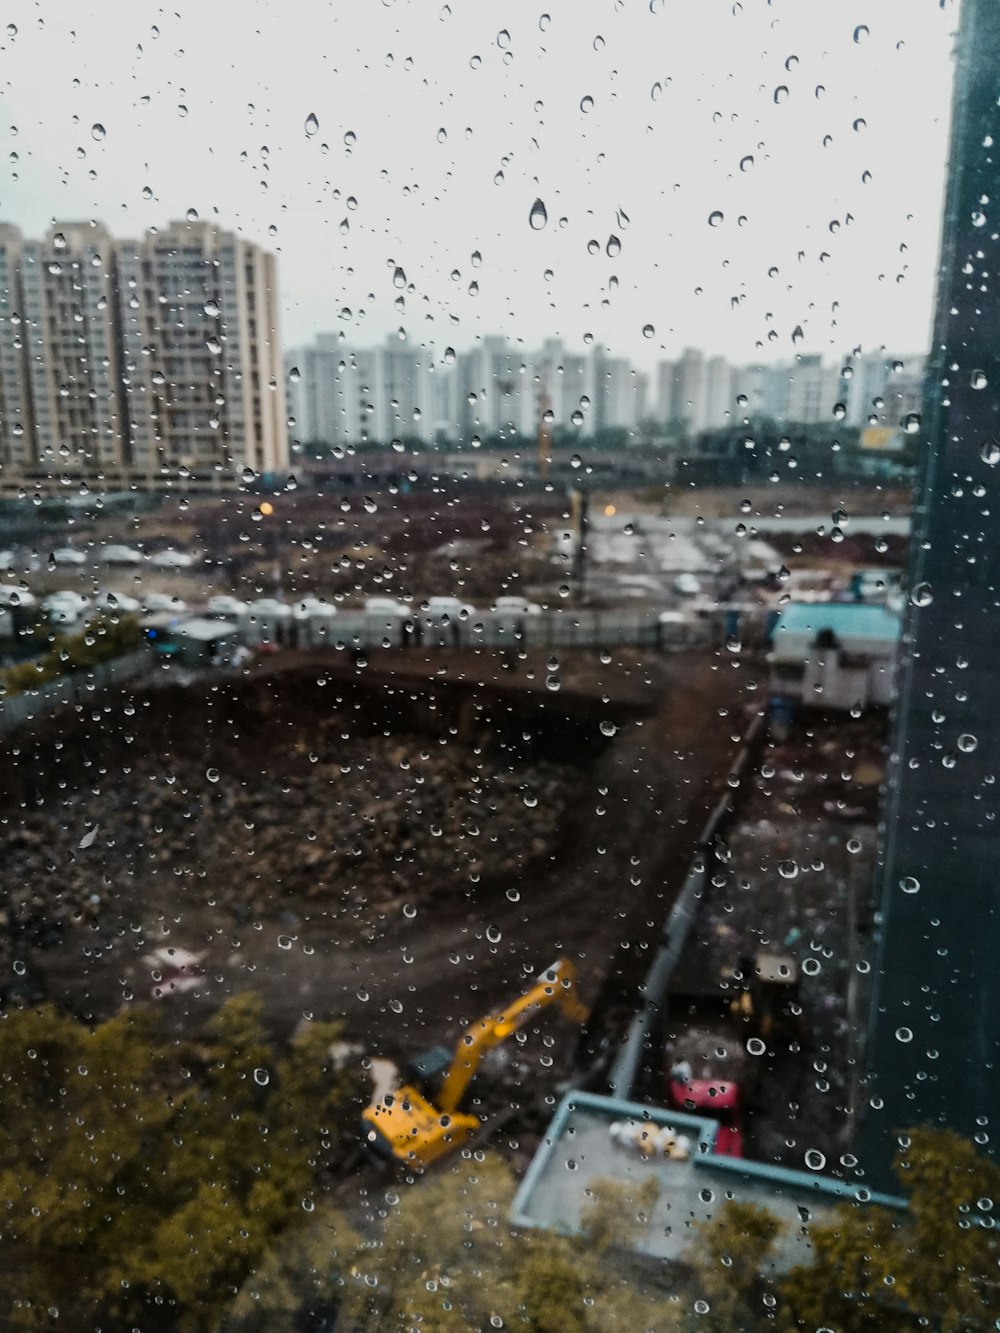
(261, 1077)
(586, 105)
(211, 309)
(909, 884)
(922, 595)
(746, 162)
(755, 1046)
(904, 1034)
(503, 39)
(815, 1160)
(780, 93)
(493, 934)
(967, 742)
(284, 942)
(538, 216)
(295, 374)
(214, 346)
(990, 453)
(788, 869)
(979, 380)
(350, 138)
(212, 774)
(715, 218)
(398, 278)
(839, 411)
(608, 728)
(911, 423)
(312, 124)
(648, 331)
(860, 33)
(98, 132)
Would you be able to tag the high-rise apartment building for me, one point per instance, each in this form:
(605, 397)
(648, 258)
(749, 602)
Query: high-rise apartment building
(204, 378)
(350, 395)
(16, 422)
(74, 355)
(934, 1045)
(125, 358)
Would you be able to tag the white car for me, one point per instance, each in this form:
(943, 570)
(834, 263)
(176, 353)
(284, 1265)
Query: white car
(65, 608)
(687, 585)
(66, 555)
(16, 594)
(386, 606)
(516, 606)
(109, 600)
(313, 606)
(268, 606)
(452, 607)
(121, 555)
(224, 605)
(171, 559)
(162, 601)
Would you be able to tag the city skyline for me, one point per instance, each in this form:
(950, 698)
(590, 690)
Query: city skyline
(733, 200)
(341, 394)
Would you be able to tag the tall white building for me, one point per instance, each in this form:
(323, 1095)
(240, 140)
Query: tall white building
(350, 395)
(205, 384)
(74, 359)
(16, 422)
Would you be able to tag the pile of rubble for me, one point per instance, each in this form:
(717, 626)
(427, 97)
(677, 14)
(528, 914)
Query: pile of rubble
(388, 821)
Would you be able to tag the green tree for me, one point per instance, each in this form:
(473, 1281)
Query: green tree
(728, 1254)
(937, 1264)
(144, 1178)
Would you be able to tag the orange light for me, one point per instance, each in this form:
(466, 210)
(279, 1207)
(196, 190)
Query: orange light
(267, 508)
(610, 511)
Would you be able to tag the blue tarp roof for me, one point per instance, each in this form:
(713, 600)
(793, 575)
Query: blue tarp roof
(848, 620)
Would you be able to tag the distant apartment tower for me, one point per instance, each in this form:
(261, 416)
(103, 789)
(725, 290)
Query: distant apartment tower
(74, 356)
(347, 396)
(16, 423)
(198, 308)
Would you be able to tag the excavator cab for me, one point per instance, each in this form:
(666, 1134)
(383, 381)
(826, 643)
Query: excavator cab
(420, 1122)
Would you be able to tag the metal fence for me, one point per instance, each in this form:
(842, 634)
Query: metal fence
(70, 690)
(568, 628)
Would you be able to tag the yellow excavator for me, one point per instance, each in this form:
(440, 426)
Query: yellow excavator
(408, 1125)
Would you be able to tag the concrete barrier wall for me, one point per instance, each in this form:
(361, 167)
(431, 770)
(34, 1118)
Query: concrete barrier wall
(67, 691)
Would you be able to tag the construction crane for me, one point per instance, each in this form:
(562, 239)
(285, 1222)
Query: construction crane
(408, 1125)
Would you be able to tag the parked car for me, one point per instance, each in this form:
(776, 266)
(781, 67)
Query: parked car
(313, 606)
(16, 594)
(162, 601)
(67, 555)
(516, 606)
(687, 585)
(120, 555)
(452, 607)
(268, 606)
(171, 559)
(118, 602)
(386, 606)
(222, 605)
(66, 608)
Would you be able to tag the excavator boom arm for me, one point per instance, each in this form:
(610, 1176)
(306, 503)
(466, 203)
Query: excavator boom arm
(556, 985)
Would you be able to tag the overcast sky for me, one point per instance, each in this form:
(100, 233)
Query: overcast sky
(439, 125)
